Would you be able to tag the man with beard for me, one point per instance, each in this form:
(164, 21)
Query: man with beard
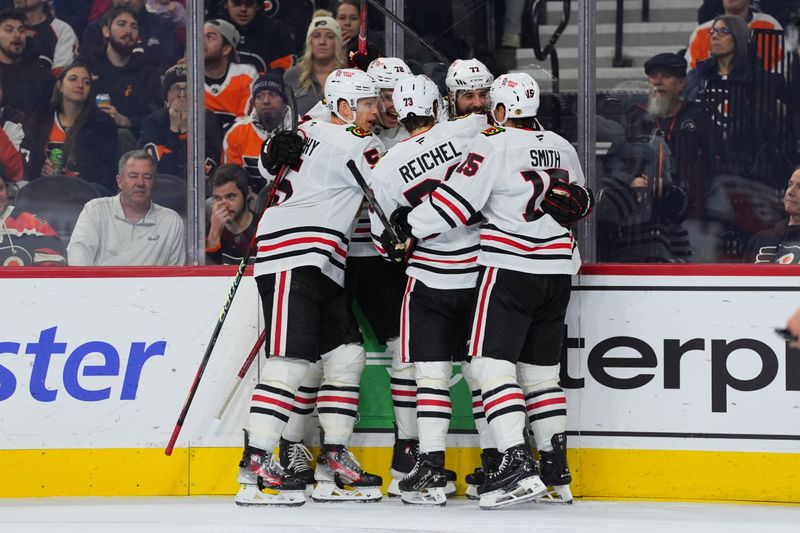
(27, 83)
(263, 42)
(780, 244)
(242, 143)
(133, 86)
(165, 132)
(231, 224)
(227, 89)
(53, 39)
(158, 36)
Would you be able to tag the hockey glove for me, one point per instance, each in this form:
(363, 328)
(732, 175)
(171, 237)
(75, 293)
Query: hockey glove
(284, 148)
(398, 251)
(567, 202)
(395, 251)
(362, 60)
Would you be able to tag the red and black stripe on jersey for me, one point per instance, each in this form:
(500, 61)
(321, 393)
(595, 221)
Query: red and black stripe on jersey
(459, 261)
(451, 206)
(495, 240)
(303, 240)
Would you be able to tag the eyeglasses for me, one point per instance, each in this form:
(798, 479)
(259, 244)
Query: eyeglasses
(721, 31)
(178, 90)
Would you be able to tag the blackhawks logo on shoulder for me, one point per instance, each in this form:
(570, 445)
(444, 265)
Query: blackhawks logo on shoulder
(493, 130)
(359, 132)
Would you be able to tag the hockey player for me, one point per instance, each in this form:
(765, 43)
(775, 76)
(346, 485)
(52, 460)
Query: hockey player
(467, 82)
(387, 71)
(442, 273)
(301, 249)
(528, 185)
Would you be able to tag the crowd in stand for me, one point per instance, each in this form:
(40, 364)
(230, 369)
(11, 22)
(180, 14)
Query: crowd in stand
(692, 174)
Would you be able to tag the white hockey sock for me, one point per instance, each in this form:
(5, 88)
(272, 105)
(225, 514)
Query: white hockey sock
(337, 402)
(304, 402)
(433, 405)
(485, 436)
(273, 400)
(503, 401)
(404, 398)
(545, 401)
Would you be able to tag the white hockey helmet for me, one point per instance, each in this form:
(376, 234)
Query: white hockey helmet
(415, 96)
(518, 92)
(467, 75)
(387, 71)
(350, 85)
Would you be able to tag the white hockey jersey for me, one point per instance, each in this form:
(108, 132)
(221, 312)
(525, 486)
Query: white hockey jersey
(411, 171)
(318, 202)
(504, 175)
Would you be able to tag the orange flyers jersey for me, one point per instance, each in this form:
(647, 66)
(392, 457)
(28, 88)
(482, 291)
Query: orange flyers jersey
(231, 98)
(242, 145)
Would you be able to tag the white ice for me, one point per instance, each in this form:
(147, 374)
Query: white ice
(220, 515)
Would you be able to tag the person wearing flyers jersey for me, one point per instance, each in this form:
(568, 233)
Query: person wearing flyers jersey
(301, 247)
(528, 185)
(442, 274)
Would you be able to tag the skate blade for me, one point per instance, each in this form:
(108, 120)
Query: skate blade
(526, 490)
(559, 495)
(431, 497)
(325, 492)
(394, 489)
(472, 492)
(249, 496)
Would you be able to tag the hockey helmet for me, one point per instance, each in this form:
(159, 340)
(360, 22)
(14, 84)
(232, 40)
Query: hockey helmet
(350, 85)
(415, 96)
(387, 71)
(518, 92)
(467, 75)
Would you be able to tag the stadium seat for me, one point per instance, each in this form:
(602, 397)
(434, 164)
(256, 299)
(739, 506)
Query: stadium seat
(170, 191)
(57, 199)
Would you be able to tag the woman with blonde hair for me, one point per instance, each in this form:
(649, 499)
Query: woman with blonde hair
(324, 53)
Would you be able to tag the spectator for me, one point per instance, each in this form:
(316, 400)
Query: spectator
(27, 83)
(227, 81)
(780, 244)
(158, 37)
(53, 39)
(231, 225)
(348, 16)
(129, 228)
(323, 55)
(165, 132)
(26, 239)
(73, 12)
(737, 99)
(70, 135)
(293, 18)
(700, 47)
(242, 144)
(134, 87)
(262, 42)
(669, 116)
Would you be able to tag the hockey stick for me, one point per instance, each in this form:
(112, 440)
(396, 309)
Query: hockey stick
(229, 300)
(242, 372)
(362, 31)
(372, 201)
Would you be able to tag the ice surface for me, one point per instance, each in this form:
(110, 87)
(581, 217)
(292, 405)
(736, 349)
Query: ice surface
(220, 515)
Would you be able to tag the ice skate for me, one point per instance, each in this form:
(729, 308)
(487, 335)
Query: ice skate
(490, 460)
(262, 481)
(295, 460)
(340, 478)
(555, 472)
(425, 484)
(515, 481)
(404, 457)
